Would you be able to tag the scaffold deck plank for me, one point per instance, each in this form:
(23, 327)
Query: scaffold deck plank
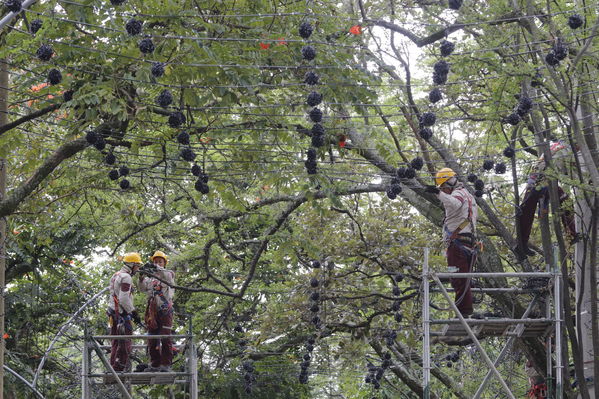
(496, 329)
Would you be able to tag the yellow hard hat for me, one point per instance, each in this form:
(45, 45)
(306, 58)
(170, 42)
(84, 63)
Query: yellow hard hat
(443, 175)
(159, 254)
(132, 257)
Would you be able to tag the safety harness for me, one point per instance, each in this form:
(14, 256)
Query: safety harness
(155, 309)
(538, 391)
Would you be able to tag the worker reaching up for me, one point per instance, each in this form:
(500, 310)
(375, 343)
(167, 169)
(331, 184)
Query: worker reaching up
(121, 310)
(157, 285)
(459, 227)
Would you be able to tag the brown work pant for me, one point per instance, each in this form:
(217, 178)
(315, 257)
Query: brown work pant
(460, 255)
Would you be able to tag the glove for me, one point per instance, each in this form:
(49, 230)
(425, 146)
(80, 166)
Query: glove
(135, 317)
(431, 189)
(148, 267)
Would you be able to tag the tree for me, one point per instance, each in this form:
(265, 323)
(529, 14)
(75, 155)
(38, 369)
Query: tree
(236, 74)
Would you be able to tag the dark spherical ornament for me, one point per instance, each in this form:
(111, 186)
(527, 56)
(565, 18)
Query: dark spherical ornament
(248, 377)
(314, 308)
(242, 342)
(398, 277)
(396, 291)
(509, 152)
(308, 53)
(398, 317)
(201, 186)
(513, 119)
(396, 188)
(478, 193)
(575, 21)
(110, 159)
(303, 379)
(91, 137)
(183, 138)
(54, 76)
(311, 153)
(393, 334)
(67, 95)
(379, 374)
(124, 184)
(317, 141)
(479, 184)
(500, 168)
(446, 48)
(428, 119)
(317, 130)
(113, 174)
(389, 341)
(124, 171)
(117, 2)
(316, 115)
(315, 296)
(525, 103)
(248, 366)
(426, 133)
(311, 78)
(311, 341)
(146, 46)
(435, 95)
(315, 320)
(472, 177)
(133, 26)
(13, 5)
(387, 356)
(165, 98)
(248, 389)
(401, 172)
(44, 52)
(100, 143)
(385, 364)
(238, 329)
(522, 112)
(396, 306)
(35, 25)
(391, 194)
(395, 181)
(439, 79)
(441, 67)
(196, 170)
(410, 173)
(304, 365)
(561, 51)
(417, 163)
(488, 164)
(310, 348)
(157, 69)
(176, 119)
(367, 380)
(449, 364)
(551, 59)
(310, 164)
(455, 357)
(314, 99)
(454, 4)
(315, 264)
(187, 154)
(312, 171)
(376, 384)
(314, 282)
(305, 30)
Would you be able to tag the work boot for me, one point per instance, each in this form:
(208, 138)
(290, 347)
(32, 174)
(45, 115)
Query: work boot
(525, 250)
(164, 369)
(151, 369)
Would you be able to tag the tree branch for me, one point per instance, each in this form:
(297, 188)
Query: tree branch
(11, 125)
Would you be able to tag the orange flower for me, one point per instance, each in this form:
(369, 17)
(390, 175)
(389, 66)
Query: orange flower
(6, 336)
(356, 30)
(37, 88)
(281, 41)
(342, 139)
(264, 46)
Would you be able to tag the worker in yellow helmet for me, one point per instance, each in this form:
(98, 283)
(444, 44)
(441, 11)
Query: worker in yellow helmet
(459, 227)
(121, 310)
(157, 282)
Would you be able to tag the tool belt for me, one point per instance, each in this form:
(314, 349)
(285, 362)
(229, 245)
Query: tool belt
(466, 238)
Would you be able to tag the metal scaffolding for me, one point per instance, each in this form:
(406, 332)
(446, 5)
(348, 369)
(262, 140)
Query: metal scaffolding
(124, 380)
(472, 330)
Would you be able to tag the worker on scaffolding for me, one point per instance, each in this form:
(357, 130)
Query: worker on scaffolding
(121, 310)
(157, 282)
(459, 228)
(537, 192)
